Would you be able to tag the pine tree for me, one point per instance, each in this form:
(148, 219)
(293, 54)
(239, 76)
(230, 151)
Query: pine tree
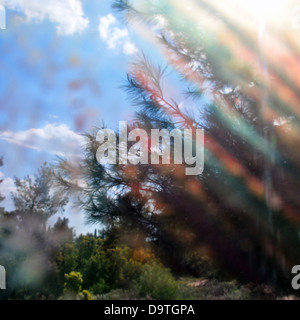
(235, 212)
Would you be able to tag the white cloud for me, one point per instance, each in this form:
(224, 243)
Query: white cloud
(129, 48)
(52, 138)
(115, 37)
(67, 14)
(104, 25)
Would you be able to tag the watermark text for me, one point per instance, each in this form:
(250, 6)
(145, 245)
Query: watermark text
(187, 146)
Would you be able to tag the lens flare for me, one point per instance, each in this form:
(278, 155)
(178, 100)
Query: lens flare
(264, 6)
(270, 10)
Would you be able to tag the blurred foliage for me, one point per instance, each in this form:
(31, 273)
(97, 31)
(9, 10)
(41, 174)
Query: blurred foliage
(97, 266)
(158, 283)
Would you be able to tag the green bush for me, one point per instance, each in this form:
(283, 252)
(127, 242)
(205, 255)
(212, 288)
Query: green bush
(85, 295)
(72, 285)
(73, 282)
(158, 283)
(100, 287)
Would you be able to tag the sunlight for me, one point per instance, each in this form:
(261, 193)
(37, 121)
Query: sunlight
(269, 9)
(265, 6)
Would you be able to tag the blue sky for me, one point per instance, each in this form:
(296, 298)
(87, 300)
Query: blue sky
(62, 63)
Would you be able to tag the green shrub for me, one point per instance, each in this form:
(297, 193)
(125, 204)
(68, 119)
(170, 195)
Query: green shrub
(158, 283)
(85, 295)
(73, 282)
(100, 287)
(72, 285)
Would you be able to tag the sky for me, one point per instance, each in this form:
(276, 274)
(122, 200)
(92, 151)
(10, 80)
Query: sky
(62, 64)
